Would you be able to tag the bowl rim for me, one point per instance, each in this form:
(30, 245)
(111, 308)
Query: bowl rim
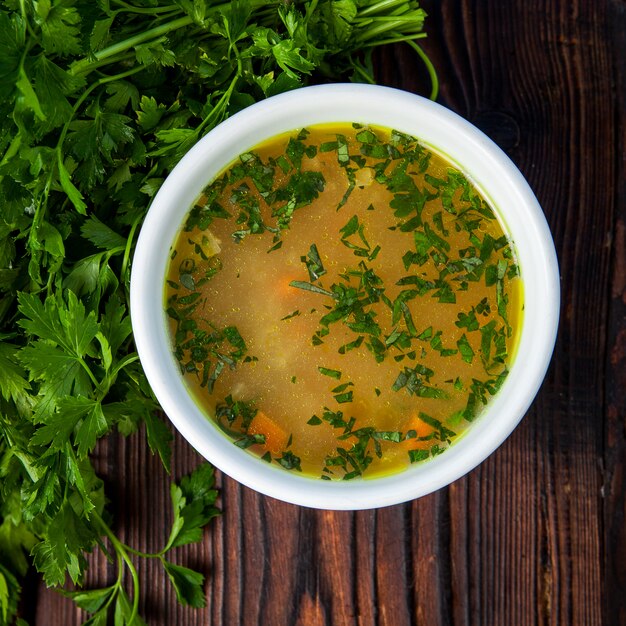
(468, 149)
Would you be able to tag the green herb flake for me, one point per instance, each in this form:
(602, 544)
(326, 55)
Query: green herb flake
(343, 398)
(394, 436)
(352, 345)
(329, 372)
(467, 353)
(328, 146)
(249, 440)
(343, 157)
(299, 284)
(415, 456)
(187, 281)
(468, 320)
(289, 461)
(313, 263)
(291, 315)
(350, 227)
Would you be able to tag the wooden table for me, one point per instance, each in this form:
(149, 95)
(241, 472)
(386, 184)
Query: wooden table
(537, 533)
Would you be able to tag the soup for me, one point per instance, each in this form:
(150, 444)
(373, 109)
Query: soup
(343, 302)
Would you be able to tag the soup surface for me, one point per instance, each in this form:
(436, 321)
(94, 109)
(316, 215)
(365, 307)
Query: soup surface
(343, 301)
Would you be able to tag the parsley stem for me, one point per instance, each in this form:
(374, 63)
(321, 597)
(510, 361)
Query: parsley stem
(154, 555)
(118, 585)
(432, 72)
(129, 8)
(25, 18)
(375, 31)
(121, 550)
(89, 373)
(223, 101)
(127, 360)
(384, 18)
(120, 58)
(390, 40)
(129, 245)
(384, 5)
(363, 74)
(143, 555)
(86, 65)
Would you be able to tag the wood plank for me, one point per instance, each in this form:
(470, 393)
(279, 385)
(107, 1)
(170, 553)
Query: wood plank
(614, 488)
(429, 552)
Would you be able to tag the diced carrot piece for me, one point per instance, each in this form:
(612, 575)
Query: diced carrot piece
(275, 436)
(422, 429)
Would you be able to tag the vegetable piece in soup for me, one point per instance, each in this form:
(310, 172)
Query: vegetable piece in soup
(343, 301)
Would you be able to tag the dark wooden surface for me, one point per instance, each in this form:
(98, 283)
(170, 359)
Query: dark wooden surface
(537, 533)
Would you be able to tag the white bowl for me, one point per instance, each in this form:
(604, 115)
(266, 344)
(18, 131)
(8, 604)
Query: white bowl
(437, 128)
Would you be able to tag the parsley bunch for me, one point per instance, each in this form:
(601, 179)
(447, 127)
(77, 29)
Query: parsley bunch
(98, 101)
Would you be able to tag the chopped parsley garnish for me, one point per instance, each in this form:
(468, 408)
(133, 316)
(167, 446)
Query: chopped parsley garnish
(289, 461)
(439, 342)
(330, 372)
(292, 314)
(313, 263)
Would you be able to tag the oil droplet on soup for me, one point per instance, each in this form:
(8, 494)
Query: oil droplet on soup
(343, 301)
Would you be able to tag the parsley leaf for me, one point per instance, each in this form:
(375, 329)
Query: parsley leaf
(187, 583)
(193, 502)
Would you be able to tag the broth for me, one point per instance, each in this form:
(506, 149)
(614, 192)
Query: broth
(343, 301)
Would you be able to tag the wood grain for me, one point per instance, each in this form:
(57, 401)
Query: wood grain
(537, 533)
(614, 488)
